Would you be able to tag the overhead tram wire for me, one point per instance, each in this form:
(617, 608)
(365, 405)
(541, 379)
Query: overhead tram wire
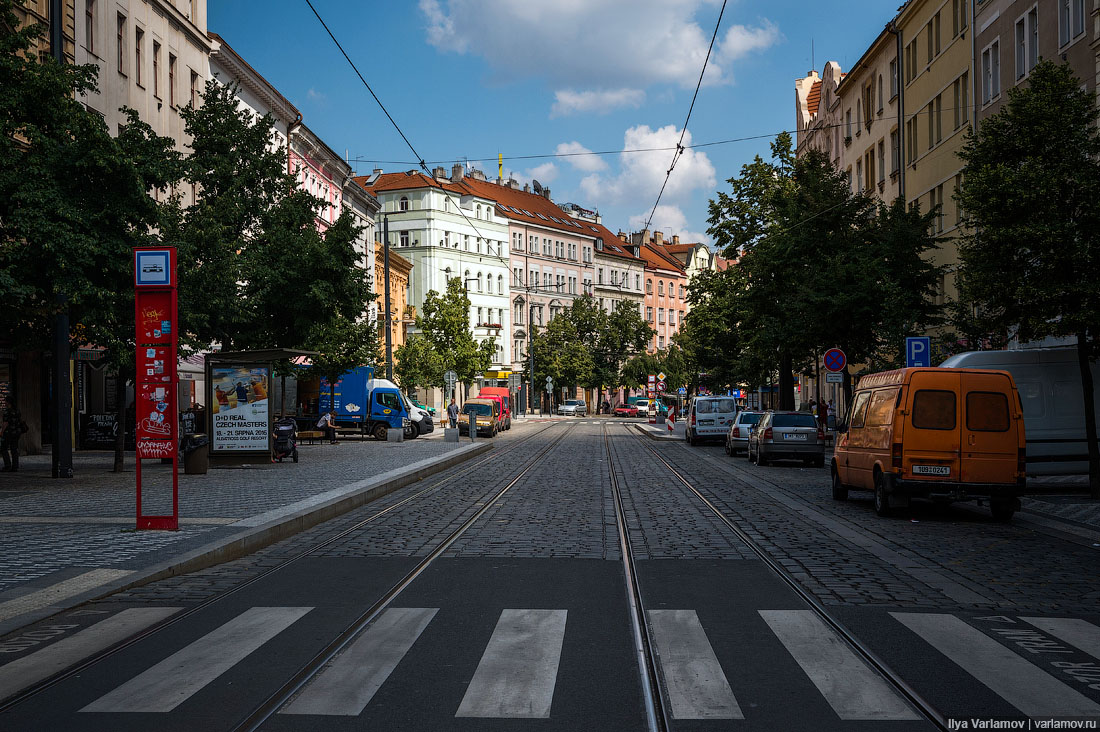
(680, 144)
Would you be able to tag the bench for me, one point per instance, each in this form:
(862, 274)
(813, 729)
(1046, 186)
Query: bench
(310, 435)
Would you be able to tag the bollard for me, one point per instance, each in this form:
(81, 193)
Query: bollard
(450, 434)
(393, 435)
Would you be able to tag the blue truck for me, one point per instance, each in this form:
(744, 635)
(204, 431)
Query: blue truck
(374, 405)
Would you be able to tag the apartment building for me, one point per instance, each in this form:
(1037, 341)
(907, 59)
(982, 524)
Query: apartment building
(666, 281)
(447, 229)
(620, 269)
(1013, 35)
(937, 89)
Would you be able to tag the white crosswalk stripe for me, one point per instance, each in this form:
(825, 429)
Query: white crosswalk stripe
(1022, 684)
(850, 687)
(40, 665)
(175, 679)
(696, 686)
(1079, 633)
(519, 669)
(347, 685)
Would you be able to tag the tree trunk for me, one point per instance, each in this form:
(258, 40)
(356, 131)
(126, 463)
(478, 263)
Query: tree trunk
(120, 421)
(1088, 392)
(786, 382)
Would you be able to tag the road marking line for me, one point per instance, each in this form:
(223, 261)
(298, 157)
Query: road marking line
(852, 689)
(518, 671)
(175, 679)
(349, 682)
(697, 686)
(44, 663)
(60, 591)
(1078, 633)
(1019, 682)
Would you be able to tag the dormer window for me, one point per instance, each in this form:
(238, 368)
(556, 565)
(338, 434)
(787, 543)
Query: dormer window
(599, 245)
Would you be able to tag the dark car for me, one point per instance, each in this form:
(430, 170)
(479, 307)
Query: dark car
(787, 436)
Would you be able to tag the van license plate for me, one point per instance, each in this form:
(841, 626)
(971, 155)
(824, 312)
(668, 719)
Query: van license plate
(794, 436)
(931, 470)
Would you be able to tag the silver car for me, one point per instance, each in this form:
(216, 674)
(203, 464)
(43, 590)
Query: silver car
(737, 437)
(573, 408)
(787, 436)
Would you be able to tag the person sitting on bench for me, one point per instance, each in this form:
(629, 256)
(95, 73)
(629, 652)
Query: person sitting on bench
(327, 423)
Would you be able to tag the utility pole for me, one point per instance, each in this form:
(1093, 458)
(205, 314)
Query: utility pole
(386, 265)
(531, 357)
(61, 404)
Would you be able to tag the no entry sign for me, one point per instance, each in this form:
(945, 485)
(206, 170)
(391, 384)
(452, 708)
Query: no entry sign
(835, 360)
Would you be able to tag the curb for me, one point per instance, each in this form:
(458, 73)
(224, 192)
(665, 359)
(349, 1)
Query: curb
(655, 434)
(253, 539)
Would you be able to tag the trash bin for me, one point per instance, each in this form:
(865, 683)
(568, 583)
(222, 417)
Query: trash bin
(196, 454)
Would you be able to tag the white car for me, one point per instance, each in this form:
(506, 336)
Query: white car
(573, 408)
(643, 406)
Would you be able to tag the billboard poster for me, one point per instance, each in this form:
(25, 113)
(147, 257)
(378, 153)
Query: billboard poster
(239, 409)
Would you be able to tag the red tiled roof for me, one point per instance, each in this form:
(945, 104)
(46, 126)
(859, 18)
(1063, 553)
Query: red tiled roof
(655, 258)
(814, 98)
(612, 244)
(529, 208)
(411, 179)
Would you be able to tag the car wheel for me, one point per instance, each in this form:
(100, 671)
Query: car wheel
(379, 432)
(840, 491)
(1002, 510)
(412, 431)
(748, 451)
(760, 459)
(729, 451)
(882, 501)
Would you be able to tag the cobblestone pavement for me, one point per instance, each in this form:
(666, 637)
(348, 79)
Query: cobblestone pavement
(51, 528)
(941, 557)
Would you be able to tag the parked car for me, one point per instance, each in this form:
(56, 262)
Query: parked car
(709, 418)
(787, 436)
(417, 404)
(502, 403)
(945, 434)
(573, 408)
(626, 410)
(737, 436)
(486, 413)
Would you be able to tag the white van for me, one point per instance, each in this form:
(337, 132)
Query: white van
(709, 418)
(643, 406)
(1049, 382)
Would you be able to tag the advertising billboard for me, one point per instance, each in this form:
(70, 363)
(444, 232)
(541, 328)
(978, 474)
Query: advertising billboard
(239, 408)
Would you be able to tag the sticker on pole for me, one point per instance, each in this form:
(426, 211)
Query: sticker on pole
(835, 360)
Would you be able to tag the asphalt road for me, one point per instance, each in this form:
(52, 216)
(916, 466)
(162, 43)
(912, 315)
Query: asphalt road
(524, 622)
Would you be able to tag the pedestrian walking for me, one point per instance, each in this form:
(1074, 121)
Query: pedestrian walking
(12, 429)
(452, 413)
(826, 409)
(327, 423)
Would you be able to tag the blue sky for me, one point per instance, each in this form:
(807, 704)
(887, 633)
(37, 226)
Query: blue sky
(471, 79)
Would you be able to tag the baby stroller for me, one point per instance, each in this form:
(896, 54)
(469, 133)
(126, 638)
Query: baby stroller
(285, 433)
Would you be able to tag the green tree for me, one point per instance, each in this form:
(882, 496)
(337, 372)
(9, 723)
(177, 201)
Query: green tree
(1030, 190)
(561, 354)
(418, 364)
(445, 323)
(342, 345)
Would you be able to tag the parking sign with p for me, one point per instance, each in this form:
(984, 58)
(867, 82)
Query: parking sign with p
(918, 351)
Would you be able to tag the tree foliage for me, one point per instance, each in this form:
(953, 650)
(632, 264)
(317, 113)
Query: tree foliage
(1031, 266)
(418, 364)
(444, 322)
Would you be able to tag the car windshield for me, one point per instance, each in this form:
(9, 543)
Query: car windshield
(749, 417)
(794, 420)
(481, 410)
(571, 403)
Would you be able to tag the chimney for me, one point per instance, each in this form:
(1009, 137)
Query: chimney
(658, 237)
(675, 238)
(513, 184)
(546, 192)
(439, 172)
(456, 172)
(526, 188)
(623, 236)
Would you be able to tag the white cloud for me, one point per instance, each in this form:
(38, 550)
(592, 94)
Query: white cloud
(570, 101)
(580, 157)
(609, 44)
(669, 220)
(544, 173)
(315, 96)
(642, 173)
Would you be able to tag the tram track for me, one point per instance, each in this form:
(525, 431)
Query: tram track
(153, 630)
(922, 705)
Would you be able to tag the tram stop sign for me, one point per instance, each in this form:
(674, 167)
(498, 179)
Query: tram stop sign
(835, 360)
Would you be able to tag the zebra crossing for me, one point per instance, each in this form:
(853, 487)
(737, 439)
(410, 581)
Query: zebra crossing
(518, 669)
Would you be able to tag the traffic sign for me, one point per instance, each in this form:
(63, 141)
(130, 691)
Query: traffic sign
(834, 378)
(660, 386)
(661, 376)
(651, 379)
(835, 360)
(549, 380)
(918, 351)
(682, 391)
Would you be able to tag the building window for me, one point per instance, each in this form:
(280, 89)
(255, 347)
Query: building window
(937, 194)
(404, 238)
(649, 287)
(500, 284)
(156, 69)
(991, 72)
(893, 78)
(933, 29)
(89, 25)
(895, 153)
(683, 292)
(958, 17)
(649, 315)
(881, 101)
(958, 208)
(660, 288)
(1027, 43)
(403, 203)
(848, 124)
(637, 282)
(139, 41)
(910, 62)
(171, 80)
(881, 161)
(121, 38)
(194, 90)
(1071, 20)
(660, 315)
(960, 96)
(859, 115)
(859, 176)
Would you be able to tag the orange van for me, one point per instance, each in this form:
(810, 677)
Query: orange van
(938, 433)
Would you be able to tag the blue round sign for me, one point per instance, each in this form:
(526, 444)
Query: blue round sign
(835, 360)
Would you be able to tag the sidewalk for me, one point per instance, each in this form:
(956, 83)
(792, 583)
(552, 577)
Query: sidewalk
(65, 542)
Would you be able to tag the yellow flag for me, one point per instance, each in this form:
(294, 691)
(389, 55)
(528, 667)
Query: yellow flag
(500, 166)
